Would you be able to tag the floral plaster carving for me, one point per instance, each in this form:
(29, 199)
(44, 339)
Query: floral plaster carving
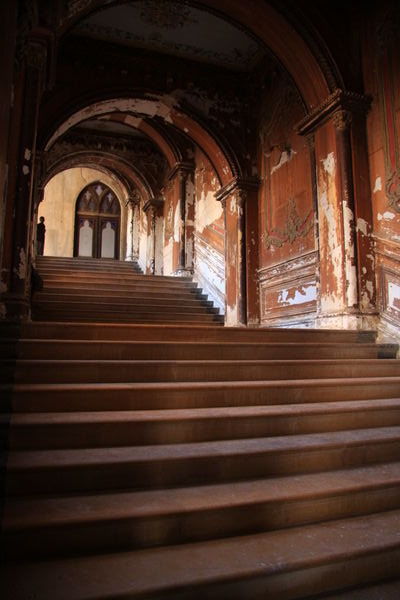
(169, 15)
(295, 227)
(393, 190)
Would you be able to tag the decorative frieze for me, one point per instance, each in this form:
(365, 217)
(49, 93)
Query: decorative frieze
(339, 101)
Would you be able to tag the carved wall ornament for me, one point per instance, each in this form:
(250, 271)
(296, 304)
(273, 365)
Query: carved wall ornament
(169, 15)
(74, 7)
(393, 190)
(295, 228)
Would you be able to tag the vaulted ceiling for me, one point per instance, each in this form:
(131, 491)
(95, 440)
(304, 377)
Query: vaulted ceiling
(177, 29)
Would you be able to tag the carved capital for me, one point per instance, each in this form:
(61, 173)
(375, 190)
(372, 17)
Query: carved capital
(239, 187)
(338, 101)
(342, 120)
(36, 54)
(180, 170)
(153, 204)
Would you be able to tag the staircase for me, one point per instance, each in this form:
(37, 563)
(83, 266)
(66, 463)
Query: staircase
(192, 461)
(106, 290)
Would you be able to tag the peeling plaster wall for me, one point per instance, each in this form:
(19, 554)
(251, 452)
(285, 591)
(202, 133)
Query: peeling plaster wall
(381, 68)
(143, 225)
(8, 16)
(209, 250)
(330, 230)
(159, 250)
(287, 274)
(58, 208)
(172, 224)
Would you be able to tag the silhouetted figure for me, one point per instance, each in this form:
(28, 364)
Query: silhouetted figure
(40, 235)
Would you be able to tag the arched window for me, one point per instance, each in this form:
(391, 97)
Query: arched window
(97, 222)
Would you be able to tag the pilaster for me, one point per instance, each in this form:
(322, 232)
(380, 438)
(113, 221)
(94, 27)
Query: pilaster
(344, 224)
(239, 199)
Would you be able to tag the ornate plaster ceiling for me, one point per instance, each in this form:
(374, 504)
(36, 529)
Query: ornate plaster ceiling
(175, 28)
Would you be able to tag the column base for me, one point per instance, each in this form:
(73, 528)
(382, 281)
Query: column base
(182, 272)
(357, 321)
(14, 308)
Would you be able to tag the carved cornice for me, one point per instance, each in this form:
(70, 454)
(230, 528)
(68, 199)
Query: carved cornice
(340, 100)
(238, 186)
(180, 168)
(153, 204)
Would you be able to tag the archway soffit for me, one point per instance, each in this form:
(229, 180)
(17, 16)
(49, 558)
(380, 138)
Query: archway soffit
(165, 107)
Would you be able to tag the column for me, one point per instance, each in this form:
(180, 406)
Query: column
(184, 172)
(28, 89)
(346, 297)
(239, 199)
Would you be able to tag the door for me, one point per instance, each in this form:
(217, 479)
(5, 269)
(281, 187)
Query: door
(97, 222)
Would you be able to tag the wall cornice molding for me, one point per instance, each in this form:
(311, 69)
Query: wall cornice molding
(180, 168)
(238, 185)
(339, 100)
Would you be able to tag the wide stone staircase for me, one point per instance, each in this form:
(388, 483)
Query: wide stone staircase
(193, 461)
(102, 290)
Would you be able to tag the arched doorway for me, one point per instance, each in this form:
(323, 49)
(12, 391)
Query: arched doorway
(97, 222)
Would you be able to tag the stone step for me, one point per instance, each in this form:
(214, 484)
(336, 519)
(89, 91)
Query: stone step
(85, 371)
(68, 293)
(278, 565)
(125, 350)
(384, 590)
(177, 332)
(75, 305)
(115, 522)
(126, 428)
(51, 266)
(65, 397)
(138, 467)
(115, 316)
(78, 260)
(90, 275)
(127, 298)
(121, 287)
